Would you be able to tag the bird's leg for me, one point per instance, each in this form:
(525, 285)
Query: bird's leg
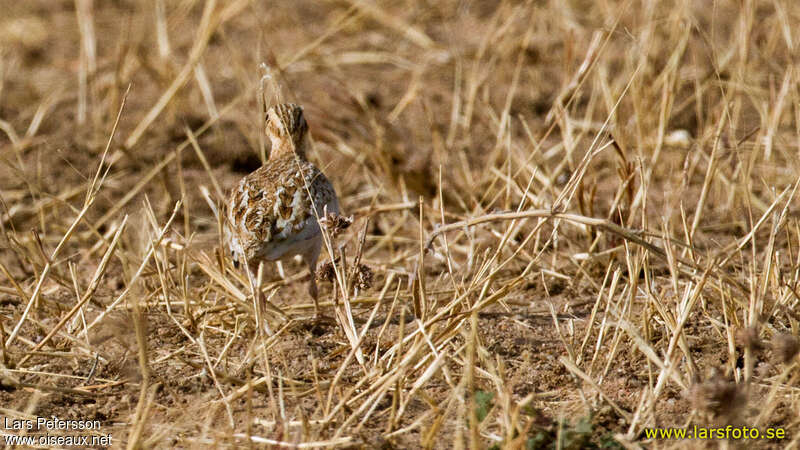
(259, 303)
(312, 289)
(310, 257)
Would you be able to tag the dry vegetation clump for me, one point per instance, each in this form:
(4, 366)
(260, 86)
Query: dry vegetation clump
(573, 221)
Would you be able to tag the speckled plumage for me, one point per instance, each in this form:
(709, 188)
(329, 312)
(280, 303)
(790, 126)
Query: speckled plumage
(271, 208)
(273, 213)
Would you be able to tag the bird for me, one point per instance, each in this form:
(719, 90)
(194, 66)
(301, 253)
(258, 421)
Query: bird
(275, 212)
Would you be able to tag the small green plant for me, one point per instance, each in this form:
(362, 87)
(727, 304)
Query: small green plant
(565, 435)
(483, 403)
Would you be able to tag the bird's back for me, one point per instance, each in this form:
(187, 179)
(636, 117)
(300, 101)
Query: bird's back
(272, 210)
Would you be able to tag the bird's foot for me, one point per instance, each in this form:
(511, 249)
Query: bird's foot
(322, 319)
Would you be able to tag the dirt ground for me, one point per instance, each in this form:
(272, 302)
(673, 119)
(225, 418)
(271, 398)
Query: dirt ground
(573, 222)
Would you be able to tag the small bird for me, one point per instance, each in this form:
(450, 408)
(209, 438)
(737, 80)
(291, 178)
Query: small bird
(274, 213)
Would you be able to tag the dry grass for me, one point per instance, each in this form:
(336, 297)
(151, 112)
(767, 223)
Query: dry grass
(572, 221)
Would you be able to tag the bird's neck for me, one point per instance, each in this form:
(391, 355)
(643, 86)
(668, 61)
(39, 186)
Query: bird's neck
(281, 147)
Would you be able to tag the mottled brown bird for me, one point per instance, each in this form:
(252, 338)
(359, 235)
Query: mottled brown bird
(274, 213)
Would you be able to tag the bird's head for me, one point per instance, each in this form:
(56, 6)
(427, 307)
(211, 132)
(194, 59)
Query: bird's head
(287, 129)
